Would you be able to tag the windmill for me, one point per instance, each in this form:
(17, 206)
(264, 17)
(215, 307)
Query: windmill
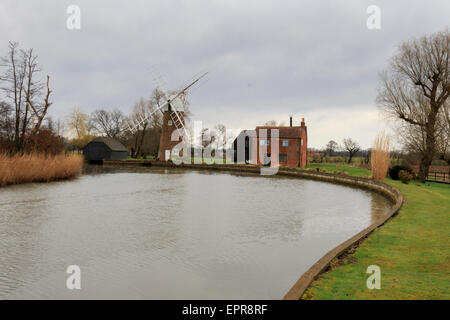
(176, 115)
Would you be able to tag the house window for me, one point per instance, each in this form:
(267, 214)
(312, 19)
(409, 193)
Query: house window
(169, 122)
(264, 142)
(283, 158)
(285, 143)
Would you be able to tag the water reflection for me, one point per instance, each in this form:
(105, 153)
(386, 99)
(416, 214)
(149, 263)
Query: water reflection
(158, 233)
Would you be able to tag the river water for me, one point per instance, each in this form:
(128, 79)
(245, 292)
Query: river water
(172, 234)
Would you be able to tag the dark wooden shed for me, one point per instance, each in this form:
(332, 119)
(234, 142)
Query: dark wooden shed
(104, 148)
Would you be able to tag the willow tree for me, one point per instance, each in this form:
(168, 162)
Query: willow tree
(78, 123)
(415, 89)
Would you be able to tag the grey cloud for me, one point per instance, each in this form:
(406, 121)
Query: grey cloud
(266, 58)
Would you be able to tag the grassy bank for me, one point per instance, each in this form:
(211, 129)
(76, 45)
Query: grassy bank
(412, 250)
(38, 168)
(340, 168)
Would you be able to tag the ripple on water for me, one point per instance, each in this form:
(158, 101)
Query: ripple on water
(158, 235)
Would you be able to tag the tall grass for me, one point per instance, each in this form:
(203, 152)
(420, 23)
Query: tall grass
(38, 168)
(379, 157)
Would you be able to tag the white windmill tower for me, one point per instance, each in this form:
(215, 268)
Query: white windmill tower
(173, 119)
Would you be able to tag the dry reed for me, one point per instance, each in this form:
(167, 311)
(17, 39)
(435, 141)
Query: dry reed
(379, 158)
(38, 168)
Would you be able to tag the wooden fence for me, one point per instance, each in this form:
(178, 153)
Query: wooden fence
(443, 177)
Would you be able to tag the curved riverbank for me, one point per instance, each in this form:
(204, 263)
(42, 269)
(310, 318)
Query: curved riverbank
(334, 255)
(340, 252)
(412, 252)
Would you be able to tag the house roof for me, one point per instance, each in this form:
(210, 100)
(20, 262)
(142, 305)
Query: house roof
(283, 132)
(113, 144)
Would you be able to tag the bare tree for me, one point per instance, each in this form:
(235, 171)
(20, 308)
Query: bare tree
(352, 147)
(140, 109)
(270, 123)
(273, 123)
(50, 124)
(108, 123)
(39, 110)
(60, 127)
(13, 79)
(443, 135)
(33, 89)
(331, 147)
(181, 103)
(415, 89)
(205, 138)
(6, 124)
(216, 138)
(157, 99)
(21, 89)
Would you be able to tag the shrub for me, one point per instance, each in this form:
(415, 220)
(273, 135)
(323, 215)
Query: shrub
(393, 172)
(404, 176)
(44, 142)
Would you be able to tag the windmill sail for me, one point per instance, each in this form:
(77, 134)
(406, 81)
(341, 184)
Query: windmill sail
(176, 116)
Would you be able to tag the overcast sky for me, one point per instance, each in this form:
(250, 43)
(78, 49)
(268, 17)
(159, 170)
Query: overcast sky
(266, 59)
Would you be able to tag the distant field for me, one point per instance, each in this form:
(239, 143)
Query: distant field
(343, 168)
(140, 158)
(364, 161)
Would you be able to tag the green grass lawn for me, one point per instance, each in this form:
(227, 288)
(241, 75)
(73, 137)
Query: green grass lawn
(334, 168)
(412, 250)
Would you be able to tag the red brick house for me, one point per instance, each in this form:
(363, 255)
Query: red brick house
(292, 145)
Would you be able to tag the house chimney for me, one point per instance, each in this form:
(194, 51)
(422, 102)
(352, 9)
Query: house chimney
(303, 122)
(290, 121)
